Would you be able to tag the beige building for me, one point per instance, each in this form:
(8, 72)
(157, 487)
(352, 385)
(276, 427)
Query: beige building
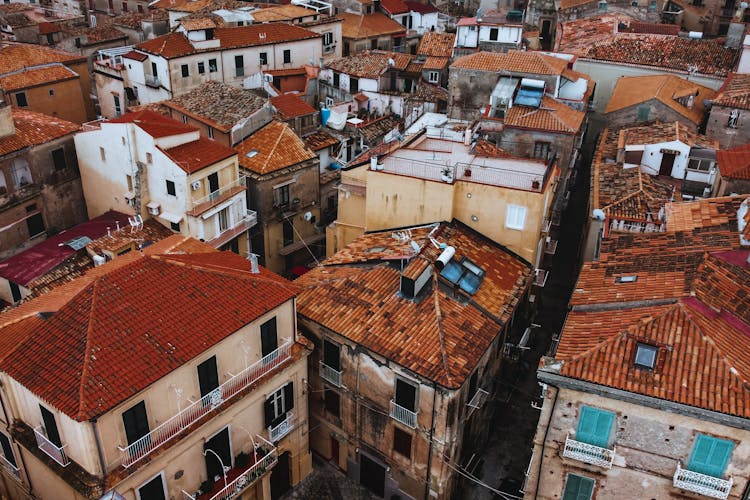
(148, 165)
(647, 393)
(136, 406)
(410, 329)
(432, 178)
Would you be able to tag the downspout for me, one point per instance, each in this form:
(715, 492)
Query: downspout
(20, 455)
(99, 448)
(429, 450)
(544, 443)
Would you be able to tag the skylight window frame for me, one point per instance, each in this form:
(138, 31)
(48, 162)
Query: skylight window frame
(650, 349)
(469, 271)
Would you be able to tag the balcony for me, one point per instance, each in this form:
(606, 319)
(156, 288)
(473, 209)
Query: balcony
(198, 409)
(276, 433)
(588, 453)
(330, 375)
(205, 203)
(702, 484)
(248, 220)
(403, 415)
(152, 81)
(55, 452)
(540, 277)
(477, 400)
(240, 479)
(10, 468)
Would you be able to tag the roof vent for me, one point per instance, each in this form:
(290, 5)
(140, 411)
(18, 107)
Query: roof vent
(254, 264)
(445, 257)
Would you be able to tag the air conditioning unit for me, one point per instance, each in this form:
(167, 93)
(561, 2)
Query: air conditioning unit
(153, 208)
(196, 185)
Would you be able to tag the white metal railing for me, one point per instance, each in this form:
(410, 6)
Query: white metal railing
(636, 227)
(152, 81)
(540, 277)
(282, 429)
(8, 466)
(703, 484)
(588, 453)
(180, 421)
(478, 399)
(55, 452)
(330, 375)
(214, 195)
(403, 415)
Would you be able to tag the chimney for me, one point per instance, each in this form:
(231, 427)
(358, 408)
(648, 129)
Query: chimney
(254, 264)
(7, 127)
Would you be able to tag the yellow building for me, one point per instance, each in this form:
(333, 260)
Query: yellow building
(110, 384)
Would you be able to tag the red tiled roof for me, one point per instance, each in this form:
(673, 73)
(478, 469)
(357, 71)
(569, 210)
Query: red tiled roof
(25, 266)
(99, 348)
(734, 163)
(518, 61)
(370, 63)
(33, 77)
(16, 56)
(47, 28)
(436, 44)
(34, 128)
(552, 116)
(735, 92)
(276, 146)
(652, 28)
(420, 8)
(394, 6)
(320, 140)
(195, 155)
(136, 56)
(359, 26)
(355, 294)
(291, 106)
(154, 124)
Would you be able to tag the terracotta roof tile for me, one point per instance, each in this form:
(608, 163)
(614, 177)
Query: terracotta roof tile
(196, 155)
(320, 140)
(291, 106)
(135, 55)
(370, 63)
(18, 56)
(97, 34)
(419, 7)
(394, 6)
(486, 149)
(34, 128)
(33, 77)
(652, 28)
(433, 62)
(551, 116)
(359, 26)
(735, 92)
(200, 21)
(282, 13)
(634, 90)
(656, 133)
(154, 124)
(439, 337)
(133, 19)
(272, 148)
(112, 352)
(734, 163)
(515, 61)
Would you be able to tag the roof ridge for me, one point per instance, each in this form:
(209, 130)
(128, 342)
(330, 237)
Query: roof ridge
(276, 144)
(439, 324)
(89, 331)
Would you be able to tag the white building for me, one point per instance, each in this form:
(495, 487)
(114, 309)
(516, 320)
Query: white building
(486, 33)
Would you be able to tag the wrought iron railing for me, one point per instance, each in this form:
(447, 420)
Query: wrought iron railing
(330, 375)
(477, 400)
(180, 421)
(703, 484)
(589, 453)
(403, 415)
(282, 429)
(55, 452)
(12, 469)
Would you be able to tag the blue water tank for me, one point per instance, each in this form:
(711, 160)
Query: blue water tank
(325, 114)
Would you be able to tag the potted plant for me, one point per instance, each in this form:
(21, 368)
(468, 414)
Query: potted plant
(446, 174)
(242, 460)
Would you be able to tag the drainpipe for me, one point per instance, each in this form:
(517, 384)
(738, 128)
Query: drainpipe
(544, 443)
(99, 448)
(429, 450)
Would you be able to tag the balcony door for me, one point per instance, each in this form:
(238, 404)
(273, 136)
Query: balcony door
(208, 376)
(406, 395)
(331, 355)
(213, 185)
(50, 426)
(219, 445)
(269, 341)
(136, 422)
(371, 475)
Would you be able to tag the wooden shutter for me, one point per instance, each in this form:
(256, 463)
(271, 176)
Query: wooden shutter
(595, 426)
(288, 396)
(268, 338)
(136, 422)
(710, 455)
(268, 412)
(578, 488)
(208, 376)
(50, 426)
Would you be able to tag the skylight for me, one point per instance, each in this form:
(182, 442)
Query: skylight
(626, 279)
(251, 153)
(78, 243)
(645, 356)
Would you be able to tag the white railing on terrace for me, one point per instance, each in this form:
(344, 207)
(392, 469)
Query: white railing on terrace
(55, 452)
(403, 415)
(330, 375)
(282, 429)
(12, 469)
(636, 227)
(588, 453)
(215, 195)
(180, 421)
(478, 399)
(703, 484)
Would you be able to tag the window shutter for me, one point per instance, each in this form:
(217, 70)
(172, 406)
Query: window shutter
(578, 488)
(289, 396)
(594, 426)
(268, 411)
(710, 455)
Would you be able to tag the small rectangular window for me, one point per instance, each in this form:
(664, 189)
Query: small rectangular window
(645, 356)
(129, 181)
(269, 341)
(175, 226)
(336, 80)
(51, 92)
(327, 38)
(210, 132)
(433, 77)
(541, 150)
(578, 488)
(171, 190)
(353, 85)
(515, 217)
(212, 66)
(102, 153)
(201, 68)
(710, 455)
(643, 113)
(595, 426)
(263, 58)
(149, 158)
(494, 34)
(239, 66)
(406, 395)
(402, 442)
(58, 158)
(185, 70)
(287, 56)
(332, 402)
(7, 450)
(21, 100)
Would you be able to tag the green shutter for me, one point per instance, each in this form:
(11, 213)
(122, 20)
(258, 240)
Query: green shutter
(643, 112)
(710, 455)
(578, 488)
(595, 426)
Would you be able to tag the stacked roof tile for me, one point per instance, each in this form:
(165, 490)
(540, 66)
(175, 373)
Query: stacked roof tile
(272, 148)
(551, 116)
(33, 129)
(359, 26)
(291, 106)
(734, 163)
(735, 93)
(370, 63)
(196, 155)
(517, 61)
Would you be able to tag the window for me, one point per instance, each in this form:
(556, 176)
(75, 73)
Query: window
(58, 159)
(402, 442)
(710, 455)
(7, 450)
(287, 56)
(472, 386)
(149, 158)
(645, 356)
(541, 150)
(21, 100)
(578, 488)
(642, 113)
(269, 341)
(278, 404)
(223, 219)
(184, 119)
(102, 154)
(154, 489)
(336, 80)
(135, 421)
(209, 33)
(327, 38)
(171, 188)
(263, 58)
(465, 274)
(494, 34)
(210, 132)
(515, 217)
(433, 77)
(201, 68)
(602, 6)
(185, 70)
(154, 70)
(701, 165)
(332, 355)
(34, 220)
(353, 85)
(332, 402)
(595, 426)
(374, 43)
(116, 102)
(129, 181)
(212, 66)
(287, 230)
(51, 92)
(239, 66)
(329, 102)
(733, 122)
(208, 376)
(406, 395)
(281, 196)
(50, 426)
(632, 278)
(174, 226)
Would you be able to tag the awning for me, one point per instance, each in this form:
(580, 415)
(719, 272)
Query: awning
(298, 245)
(176, 218)
(153, 204)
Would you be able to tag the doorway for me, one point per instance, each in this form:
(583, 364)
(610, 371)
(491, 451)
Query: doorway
(220, 445)
(371, 475)
(281, 477)
(545, 34)
(667, 162)
(213, 185)
(335, 451)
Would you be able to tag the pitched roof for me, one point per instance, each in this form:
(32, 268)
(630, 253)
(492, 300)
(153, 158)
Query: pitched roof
(222, 105)
(196, 155)
(18, 56)
(420, 8)
(517, 61)
(320, 140)
(133, 19)
(154, 124)
(32, 77)
(282, 13)
(394, 6)
(735, 92)
(291, 106)
(105, 348)
(438, 336)
(734, 163)
(551, 116)
(176, 44)
(358, 26)
(34, 128)
(370, 63)
(656, 133)
(272, 148)
(633, 90)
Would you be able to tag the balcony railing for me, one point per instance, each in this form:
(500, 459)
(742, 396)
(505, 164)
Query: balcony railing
(478, 399)
(199, 205)
(153, 81)
(330, 375)
(282, 429)
(10, 468)
(588, 453)
(179, 422)
(403, 415)
(703, 484)
(55, 452)
(248, 220)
